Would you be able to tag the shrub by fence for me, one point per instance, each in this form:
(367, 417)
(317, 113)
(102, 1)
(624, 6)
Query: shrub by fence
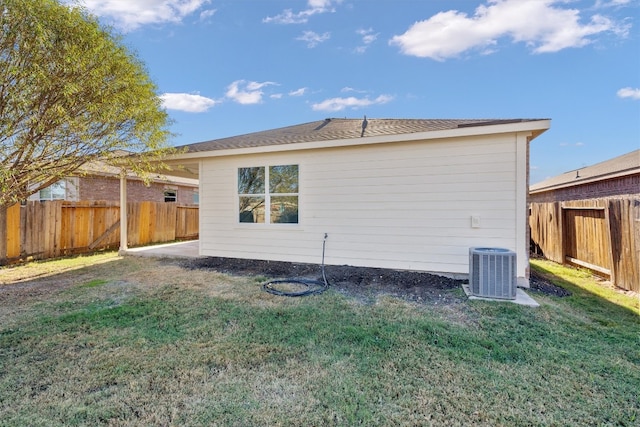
(40, 230)
(602, 235)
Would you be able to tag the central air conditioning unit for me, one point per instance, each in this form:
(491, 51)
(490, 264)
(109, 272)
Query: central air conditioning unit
(492, 273)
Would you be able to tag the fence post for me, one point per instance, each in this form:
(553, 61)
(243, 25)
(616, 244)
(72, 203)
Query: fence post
(123, 212)
(611, 217)
(3, 235)
(634, 218)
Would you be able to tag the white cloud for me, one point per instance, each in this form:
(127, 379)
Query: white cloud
(191, 103)
(629, 92)
(611, 3)
(320, 4)
(368, 37)
(350, 89)
(313, 39)
(206, 14)
(339, 104)
(288, 17)
(540, 24)
(129, 15)
(314, 7)
(298, 92)
(244, 92)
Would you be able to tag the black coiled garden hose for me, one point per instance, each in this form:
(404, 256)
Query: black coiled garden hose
(310, 286)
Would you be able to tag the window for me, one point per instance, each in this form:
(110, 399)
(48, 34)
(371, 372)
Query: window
(170, 195)
(196, 198)
(55, 191)
(268, 194)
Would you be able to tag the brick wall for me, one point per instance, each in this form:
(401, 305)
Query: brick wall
(93, 188)
(628, 185)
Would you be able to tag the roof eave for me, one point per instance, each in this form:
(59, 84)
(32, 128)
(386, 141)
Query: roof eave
(535, 127)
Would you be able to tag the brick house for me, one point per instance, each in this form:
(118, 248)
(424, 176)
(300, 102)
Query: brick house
(102, 182)
(614, 177)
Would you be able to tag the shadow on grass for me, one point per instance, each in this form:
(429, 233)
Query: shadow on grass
(21, 275)
(585, 290)
(23, 285)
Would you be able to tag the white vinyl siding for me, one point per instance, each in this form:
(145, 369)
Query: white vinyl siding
(399, 205)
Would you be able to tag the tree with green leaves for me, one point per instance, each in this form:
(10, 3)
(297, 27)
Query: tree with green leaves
(70, 93)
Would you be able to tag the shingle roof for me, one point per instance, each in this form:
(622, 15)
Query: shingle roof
(627, 164)
(339, 129)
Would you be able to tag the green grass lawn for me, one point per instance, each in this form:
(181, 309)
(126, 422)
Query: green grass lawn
(103, 340)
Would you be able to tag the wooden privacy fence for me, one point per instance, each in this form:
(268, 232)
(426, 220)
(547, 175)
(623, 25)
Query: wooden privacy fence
(40, 230)
(602, 235)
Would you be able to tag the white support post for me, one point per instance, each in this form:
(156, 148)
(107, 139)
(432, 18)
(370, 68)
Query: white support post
(123, 213)
(522, 210)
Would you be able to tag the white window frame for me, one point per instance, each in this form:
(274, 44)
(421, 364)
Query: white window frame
(51, 196)
(170, 190)
(267, 196)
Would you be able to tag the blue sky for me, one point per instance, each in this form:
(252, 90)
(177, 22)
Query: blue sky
(230, 67)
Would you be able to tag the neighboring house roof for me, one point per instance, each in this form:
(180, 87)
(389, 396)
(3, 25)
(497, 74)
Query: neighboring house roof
(101, 168)
(335, 132)
(627, 164)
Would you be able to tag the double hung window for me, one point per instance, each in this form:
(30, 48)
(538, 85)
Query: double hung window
(268, 195)
(55, 191)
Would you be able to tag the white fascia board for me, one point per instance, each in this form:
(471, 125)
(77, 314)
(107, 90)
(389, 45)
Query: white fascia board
(530, 126)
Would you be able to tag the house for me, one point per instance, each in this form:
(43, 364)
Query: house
(408, 194)
(100, 182)
(613, 177)
(589, 218)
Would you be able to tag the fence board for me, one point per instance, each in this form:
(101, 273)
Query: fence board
(13, 232)
(39, 230)
(546, 227)
(586, 238)
(187, 222)
(624, 217)
(133, 224)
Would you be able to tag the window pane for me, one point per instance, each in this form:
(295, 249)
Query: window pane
(58, 190)
(45, 193)
(251, 209)
(283, 179)
(170, 195)
(251, 180)
(54, 191)
(284, 209)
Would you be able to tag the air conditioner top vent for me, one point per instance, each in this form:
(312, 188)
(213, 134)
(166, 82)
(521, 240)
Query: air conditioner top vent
(491, 250)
